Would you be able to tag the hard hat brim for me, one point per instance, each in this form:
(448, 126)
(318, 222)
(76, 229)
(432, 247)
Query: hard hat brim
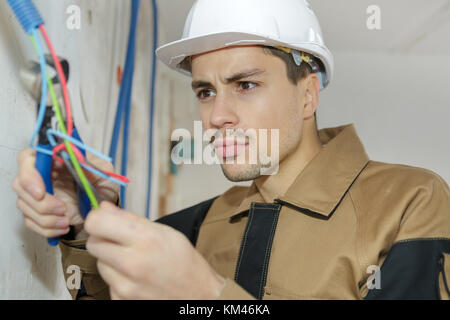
(173, 53)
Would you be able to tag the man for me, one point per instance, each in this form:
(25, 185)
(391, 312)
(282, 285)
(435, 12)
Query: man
(316, 229)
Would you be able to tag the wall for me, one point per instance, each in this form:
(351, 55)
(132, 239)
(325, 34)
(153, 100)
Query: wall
(29, 267)
(399, 104)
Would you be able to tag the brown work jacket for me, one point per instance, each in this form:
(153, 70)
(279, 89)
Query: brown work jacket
(347, 228)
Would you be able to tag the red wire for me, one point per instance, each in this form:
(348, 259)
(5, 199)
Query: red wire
(116, 176)
(69, 119)
(62, 77)
(82, 160)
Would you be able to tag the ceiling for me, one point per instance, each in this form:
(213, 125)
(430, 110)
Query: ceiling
(407, 26)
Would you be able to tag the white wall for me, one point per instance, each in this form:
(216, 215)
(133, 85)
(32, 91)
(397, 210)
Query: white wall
(399, 103)
(29, 267)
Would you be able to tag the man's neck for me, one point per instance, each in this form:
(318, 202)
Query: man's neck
(273, 186)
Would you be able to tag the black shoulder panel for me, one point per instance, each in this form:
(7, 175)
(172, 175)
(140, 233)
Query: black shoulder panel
(411, 270)
(189, 220)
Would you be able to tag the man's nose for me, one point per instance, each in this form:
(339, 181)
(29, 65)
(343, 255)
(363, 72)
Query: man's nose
(224, 112)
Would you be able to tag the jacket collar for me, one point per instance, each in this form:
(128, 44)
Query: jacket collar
(320, 187)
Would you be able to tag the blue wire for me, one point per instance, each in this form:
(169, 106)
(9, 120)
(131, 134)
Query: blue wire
(128, 73)
(124, 103)
(41, 150)
(152, 107)
(102, 175)
(43, 103)
(51, 132)
(126, 129)
(53, 142)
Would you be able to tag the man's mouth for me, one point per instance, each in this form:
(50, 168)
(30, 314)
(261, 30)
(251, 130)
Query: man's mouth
(227, 148)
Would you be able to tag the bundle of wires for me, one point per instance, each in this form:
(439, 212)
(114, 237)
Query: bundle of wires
(31, 21)
(123, 111)
(124, 104)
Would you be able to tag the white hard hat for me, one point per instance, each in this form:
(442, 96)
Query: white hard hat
(217, 24)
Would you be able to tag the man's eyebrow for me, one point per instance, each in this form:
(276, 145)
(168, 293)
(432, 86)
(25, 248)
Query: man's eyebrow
(235, 77)
(200, 84)
(244, 74)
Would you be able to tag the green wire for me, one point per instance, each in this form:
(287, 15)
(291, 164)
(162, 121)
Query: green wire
(62, 126)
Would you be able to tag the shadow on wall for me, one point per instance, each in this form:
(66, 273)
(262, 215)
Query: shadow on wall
(30, 267)
(45, 262)
(10, 35)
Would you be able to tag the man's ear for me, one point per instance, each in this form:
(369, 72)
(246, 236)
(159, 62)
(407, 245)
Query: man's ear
(312, 86)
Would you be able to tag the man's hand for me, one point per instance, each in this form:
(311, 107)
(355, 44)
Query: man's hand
(51, 215)
(140, 259)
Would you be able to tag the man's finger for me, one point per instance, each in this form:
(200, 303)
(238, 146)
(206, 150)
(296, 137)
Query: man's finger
(110, 253)
(48, 205)
(25, 154)
(29, 177)
(121, 287)
(114, 224)
(48, 233)
(45, 221)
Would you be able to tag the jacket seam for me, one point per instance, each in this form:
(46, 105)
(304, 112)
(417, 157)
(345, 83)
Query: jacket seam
(244, 243)
(444, 277)
(268, 253)
(420, 239)
(360, 254)
(286, 293)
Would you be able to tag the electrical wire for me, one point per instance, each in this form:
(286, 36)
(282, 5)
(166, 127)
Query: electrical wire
(126, 128)
(123, 111)
(72, 171)
(152, 107)
(81, 163)
(44, 88)
(62, 79)
(78, 144)
(69, 149)
(90, 167)
(127, 75)
(30, 19)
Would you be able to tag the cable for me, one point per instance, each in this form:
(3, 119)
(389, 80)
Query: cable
(30, 19)
(152, 107)
(126, 79)
(123, 111)
(69, 149)
(44, 88)
(51, 133)
(78, 144)
(27, 14)
(135, 10)
(62, 79)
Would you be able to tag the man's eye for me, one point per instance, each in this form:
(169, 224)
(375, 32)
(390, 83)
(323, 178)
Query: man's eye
(205, 94)
(247, 85)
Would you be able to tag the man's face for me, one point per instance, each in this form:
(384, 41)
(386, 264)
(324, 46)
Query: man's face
(245, 88)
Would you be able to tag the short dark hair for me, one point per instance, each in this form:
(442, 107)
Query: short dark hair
(295, 73)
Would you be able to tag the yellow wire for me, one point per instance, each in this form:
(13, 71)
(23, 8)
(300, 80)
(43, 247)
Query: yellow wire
(73, 158)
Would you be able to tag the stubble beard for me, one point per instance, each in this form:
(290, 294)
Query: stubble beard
(244, 172)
